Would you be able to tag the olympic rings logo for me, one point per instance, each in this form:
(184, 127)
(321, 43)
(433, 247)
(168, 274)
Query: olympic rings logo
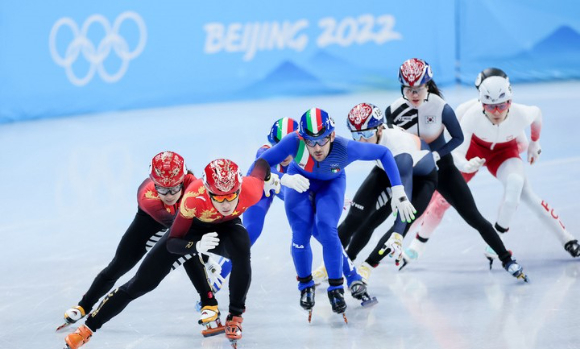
(112, 41)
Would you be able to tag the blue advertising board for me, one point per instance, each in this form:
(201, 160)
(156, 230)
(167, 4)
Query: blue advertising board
(69, 57)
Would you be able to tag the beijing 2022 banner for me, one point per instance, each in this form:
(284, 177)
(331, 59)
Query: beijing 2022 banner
(76, 57)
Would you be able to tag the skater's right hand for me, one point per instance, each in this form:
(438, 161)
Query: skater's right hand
(534, 151)
(297, 182)
(473, 165)
(208, 242)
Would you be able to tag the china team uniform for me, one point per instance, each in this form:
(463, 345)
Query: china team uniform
(255, 215)
(152, 219)
(196, 217)
(319, 208)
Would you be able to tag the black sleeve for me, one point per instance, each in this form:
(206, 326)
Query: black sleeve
(181, 246)
(389, 116)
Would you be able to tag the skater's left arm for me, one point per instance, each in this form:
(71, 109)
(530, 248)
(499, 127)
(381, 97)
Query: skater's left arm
(365, 151)
(452, 125)
(369, 152)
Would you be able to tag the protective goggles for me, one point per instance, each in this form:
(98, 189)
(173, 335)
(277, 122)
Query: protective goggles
(366, 134)
(414, 90)
(313, 142)
(227, 197)
(168, 190)
(490, 108)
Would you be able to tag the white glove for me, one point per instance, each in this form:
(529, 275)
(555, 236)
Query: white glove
(347, 203)
(394, 247)
(297, 182)
(400, 203)
(208, 242)
(473, 165)
(436, 156)
(534, 151)
(272, 184)
(213, 269)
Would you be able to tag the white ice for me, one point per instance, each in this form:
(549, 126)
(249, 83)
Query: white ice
(69, 189)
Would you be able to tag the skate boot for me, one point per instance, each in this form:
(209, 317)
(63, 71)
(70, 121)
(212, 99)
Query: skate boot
(234, 329)
(365, 270)
(307, 300)
(573, 248)
(78, 338)
(320, 275)
(210, 319)
(359, 291)
(71, 316)
(414, 251)
(516, 270)
(336, 298)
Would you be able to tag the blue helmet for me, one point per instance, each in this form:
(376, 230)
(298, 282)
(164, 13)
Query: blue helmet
(316, 124)
(281, 128)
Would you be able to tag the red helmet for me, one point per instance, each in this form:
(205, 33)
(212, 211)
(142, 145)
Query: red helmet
(364, 116)
(167, 169)
(222, 177)
(415, 72)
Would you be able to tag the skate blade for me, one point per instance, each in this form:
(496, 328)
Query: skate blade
(344, 317)
(65, 325)
(404, 263)
(524, 277)
(234, 343)
(213, 331)
(310, 316)
(490, 259)
(369, 302)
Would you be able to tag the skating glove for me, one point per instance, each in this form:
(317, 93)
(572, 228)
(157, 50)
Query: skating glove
(394, 247)
(213, 270)
(347, 203)
(401, 204)
(272, 184)
(534, 151)
(208, 242)
(473, 165)
(296, 182)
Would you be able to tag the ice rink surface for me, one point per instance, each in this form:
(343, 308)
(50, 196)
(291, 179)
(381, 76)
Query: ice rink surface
(70, 193)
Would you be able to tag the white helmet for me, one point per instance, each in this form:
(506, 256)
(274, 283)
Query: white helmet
(494, 90)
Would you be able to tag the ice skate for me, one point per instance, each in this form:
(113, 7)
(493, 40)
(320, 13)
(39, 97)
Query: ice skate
(516, 270)
(234, 329)
(78, 338)
(365, 270)
(336, 298)
(359, 291)
(71, 316)
(414, 251)
(307, 300)
(573, 248)
(320, 275)
(210, 319)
